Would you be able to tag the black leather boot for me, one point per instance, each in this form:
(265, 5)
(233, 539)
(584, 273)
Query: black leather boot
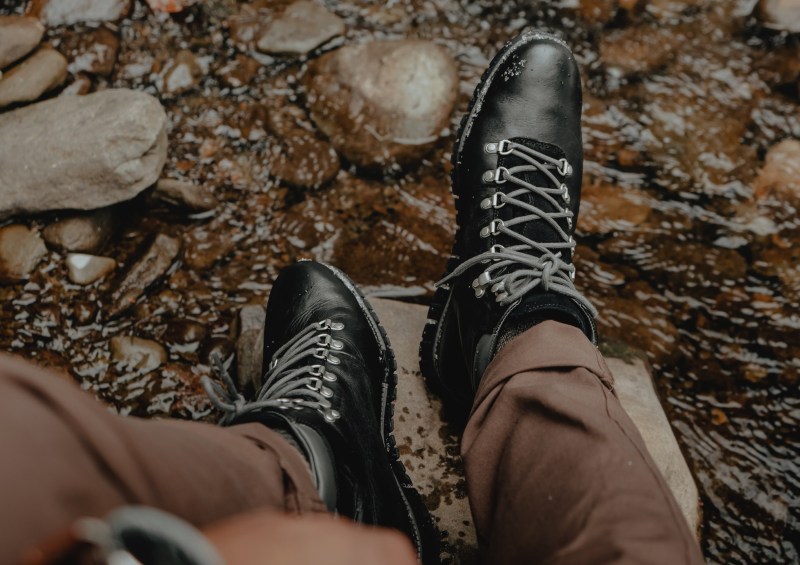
(329, 386)
(517, 168)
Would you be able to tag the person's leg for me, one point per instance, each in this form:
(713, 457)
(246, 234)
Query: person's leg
(556, 470)
(66, 456)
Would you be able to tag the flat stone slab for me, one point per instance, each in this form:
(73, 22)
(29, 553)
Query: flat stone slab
(429, 447)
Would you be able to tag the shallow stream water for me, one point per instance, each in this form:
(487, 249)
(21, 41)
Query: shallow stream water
(679, 253)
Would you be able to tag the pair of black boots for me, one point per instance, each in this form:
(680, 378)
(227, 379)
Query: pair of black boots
(330, 374)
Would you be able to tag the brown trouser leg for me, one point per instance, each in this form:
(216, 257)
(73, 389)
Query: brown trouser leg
(556, 470)
(63, 456)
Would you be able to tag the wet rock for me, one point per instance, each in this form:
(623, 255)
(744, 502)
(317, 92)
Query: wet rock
(383, 102)
(137, 354)
(597, 11)
(302, 27)
(240, 71)
(156, 261)
(206, 245)
(81, 84)
(298, 155)
(86, 269)
(84, 233)
(66, 12)
(181, 74)
(53, 160)
(250, 347)
(21, 249)
(95, 52)
(184, 331)
(606, 208)
(185, 194)
(18, 36)
(84, 312)
(45, 69)
(220, 346)
(779, 178)
(641, 49)
(780, 14)
(184, 337)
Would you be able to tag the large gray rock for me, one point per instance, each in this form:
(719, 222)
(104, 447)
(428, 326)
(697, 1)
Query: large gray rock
(383, 102)
(18, 36)
(80, 152)
(427, 445)
(42, 71)
(300, 28)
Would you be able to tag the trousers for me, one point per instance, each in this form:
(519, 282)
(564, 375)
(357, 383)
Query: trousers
(556, 471)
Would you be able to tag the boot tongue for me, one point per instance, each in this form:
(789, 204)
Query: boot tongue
(538, 230)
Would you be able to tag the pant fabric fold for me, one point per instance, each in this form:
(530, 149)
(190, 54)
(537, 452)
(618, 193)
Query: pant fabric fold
(67, 456)
(556, 471)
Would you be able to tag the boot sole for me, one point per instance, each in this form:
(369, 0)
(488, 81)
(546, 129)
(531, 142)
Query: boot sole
(458, 403)
(426, 536)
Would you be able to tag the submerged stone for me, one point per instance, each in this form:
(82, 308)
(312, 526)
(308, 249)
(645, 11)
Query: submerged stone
(137, 354)
(85, 269)
(383, 102)
(21, 249)
(42, 71)
(155, 262)
(302, 27)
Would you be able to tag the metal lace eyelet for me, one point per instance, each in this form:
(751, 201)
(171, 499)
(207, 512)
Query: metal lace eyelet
(316, 371)
(492, 229)
(332, 415)
(323, 340)
(494, 201)
(330, 377)
(337, 326)
(326, 392)
(496, 248)
(323, 325)
(564, 168)
(499, 173)
(321, 353)
(336, 345)
(572, 272)
(490, 148)
(504, 147)
(315, 384)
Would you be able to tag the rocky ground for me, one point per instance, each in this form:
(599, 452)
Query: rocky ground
(158, 169)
